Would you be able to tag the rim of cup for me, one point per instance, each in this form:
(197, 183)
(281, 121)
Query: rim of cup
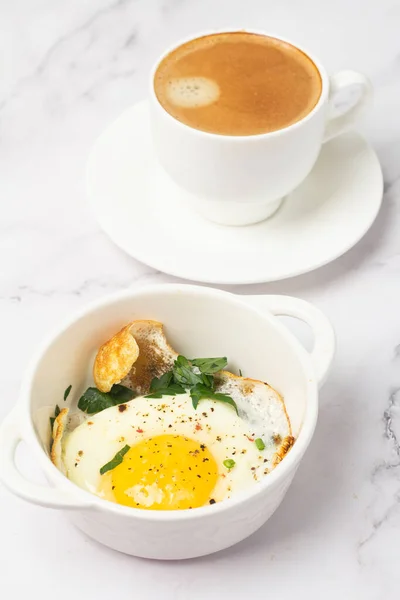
(241, 138)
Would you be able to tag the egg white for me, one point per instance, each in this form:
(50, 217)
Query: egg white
(215, 424)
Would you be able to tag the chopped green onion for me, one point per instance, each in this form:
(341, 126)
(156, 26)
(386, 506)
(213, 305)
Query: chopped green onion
(229, 463)
(259, 443)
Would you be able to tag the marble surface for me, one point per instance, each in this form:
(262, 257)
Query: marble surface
(68, 68)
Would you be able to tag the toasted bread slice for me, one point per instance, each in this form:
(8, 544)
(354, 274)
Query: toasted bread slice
(156, 356)
(133, 356)
(59, 427)
(115, 358)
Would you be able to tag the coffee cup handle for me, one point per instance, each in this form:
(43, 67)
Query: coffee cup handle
(338, 83)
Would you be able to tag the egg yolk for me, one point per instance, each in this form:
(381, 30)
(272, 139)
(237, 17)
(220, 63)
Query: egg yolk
(166, 472)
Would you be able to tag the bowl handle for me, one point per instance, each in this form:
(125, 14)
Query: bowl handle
(324, 335)
(16, 482)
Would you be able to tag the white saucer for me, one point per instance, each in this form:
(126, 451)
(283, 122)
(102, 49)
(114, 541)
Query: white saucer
(137, 206)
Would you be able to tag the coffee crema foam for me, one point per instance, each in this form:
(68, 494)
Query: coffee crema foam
(192, 92)
(237, 84)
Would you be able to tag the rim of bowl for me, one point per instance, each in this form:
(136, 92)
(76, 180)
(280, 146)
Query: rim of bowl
(242, 138)
(91, 501)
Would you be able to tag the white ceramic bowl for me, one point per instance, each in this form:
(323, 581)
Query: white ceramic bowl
(199, 322)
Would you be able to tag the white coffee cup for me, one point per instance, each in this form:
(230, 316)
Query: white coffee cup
(239, 180)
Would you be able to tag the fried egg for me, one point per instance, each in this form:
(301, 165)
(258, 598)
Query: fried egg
(177, 457)
(162, 453)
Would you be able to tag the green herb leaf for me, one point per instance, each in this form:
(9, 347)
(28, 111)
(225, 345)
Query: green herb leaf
(240, 373)
(121, 393)
(94, 401)
(182, 361)
(117, 460)
(67, 391)
(161, 382)
(259, 443)
(172, 390)
(52, 419)
(210, 365)
(201, 392)
(208, 380)
(184, 374)
(229, 463)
